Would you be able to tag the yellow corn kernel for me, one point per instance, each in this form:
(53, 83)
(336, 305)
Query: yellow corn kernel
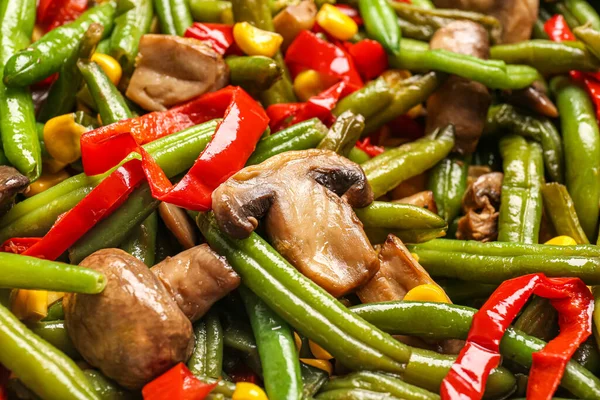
(318, 351)
(248, 391)
(61, 137)
(53, 297)
(415, 256)
(427, 292)
(297, 341)
(256, 42)
(336, 23)
(562, 241)
(110, 66)
(321, 364)
(31, 305)
(46, 181)
(308, 83)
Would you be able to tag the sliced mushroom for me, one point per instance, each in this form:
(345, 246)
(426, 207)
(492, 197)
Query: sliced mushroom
(11, 183)
(422, 199)
(196, 279)
(133, 331)
(306, 198)
(459, 101)
(179, 224)
(517, 16)
(294, 19)
(398, 273)
(480, 202)
(533, 98)
(173, 69)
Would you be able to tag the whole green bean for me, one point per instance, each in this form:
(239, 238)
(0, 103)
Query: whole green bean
(61, 98)
(426, 4)
(414, 31)
(448, 182)
(581, 139)
(209, 10)
(354, 394)
(174, 16)
(55, 333)
(239, 336)
(103, 46)
(460, 292)
(42, 368)
(584, 13)
(24, 272)
(313, 380)
(344, 133)
(128, 30)
(276, 347)
(20, 142)
(591, 38)
(141, 242)
(358, 156)
(253, 73)
(538, 319)
(207, 358)
(381, 383)
(48, 54)
(560, 209)
(588, 356)
(381, 23)
(55, 312)
(547, 56)
(449, 321)
(105, 389)
(521, 198)
(388, 170)
(367, 101)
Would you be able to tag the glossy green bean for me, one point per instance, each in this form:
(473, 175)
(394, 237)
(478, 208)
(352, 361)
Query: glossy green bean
(584, 13)
(141, 242)
(448, 182)
(596, 315)
(381, 23)
(48, 54)
(42, 368)
(174, 16)
(388, 170)
(207, 358)
(581, 139)
(461, 292)
(313, 380)
(358, 156)
(559, 207)
(128, 30)
(414, 31)
(538, 319)
(591, 38)
(239, 336)
(209, 10)
(367, 101)
(55, 333)
(105, 389)
(521, 198)
(343, 134)
(253, 73)
(353, 394)
(55, 312)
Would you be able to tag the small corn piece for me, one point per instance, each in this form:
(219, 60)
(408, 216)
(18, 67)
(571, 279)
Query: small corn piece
(297, 341)
(319, 352)
(562, 241)
(62, 138)
(321, 364)
(46, 181)
(310, 83)
(427, 292)
(30, 305)
(256, 42)
(248, 391)
(336, 23)
(110, 66)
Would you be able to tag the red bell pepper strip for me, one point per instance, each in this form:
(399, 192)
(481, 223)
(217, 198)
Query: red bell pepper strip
(369, 57)
(178, 383)
(558, 30)
(574, 303)
(351, 12)
(18, 245)
(311, 52)
(371, 149)
(54, 13)
(220, 36)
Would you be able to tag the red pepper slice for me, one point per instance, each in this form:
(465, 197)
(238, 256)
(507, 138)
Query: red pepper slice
(54, 13)
(178, 383)
(18, 245)
(369, 57)
(311, 52)
(574, 303)
(219, 36)
(371, 149)
(558, 30)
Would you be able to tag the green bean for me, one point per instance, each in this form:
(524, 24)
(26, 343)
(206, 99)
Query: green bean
(584, 13)
(448, 182)
(55, 312)
(61, 98)
(353, 394)
(103, 46)
(24, 272)
(253, 73)
(42, 368)
(128, 30)
(381, 23)
(414, 31)
(521, 199)
(538, 319)
(276, 347)
(591, 38)
(388, 170)
(581, 139)
(55, 333)
(174, 16)
(141, 242)
(426, 4)
(105, 389)
(367, 101)
(358, 156)
(207, 358)
(449, 321)
(313, 379)
(596, 315)
(460, 292)
(239, 336)
(381, 383)
(209, 10)
(344, 133)
(20, 142)
(48, 54)
(587, 355)
(560, 209)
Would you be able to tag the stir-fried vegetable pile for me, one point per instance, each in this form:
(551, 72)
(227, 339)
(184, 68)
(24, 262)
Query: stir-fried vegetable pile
(298, 199)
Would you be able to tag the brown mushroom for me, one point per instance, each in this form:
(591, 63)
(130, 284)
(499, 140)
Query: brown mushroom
(306, 198)
(517, 16)
(11, 183)
(459, 101)
(294, 19)
(173, 69)
(534, 98)
(480, 202)
(133, 331)
(180, 225)
(196, 279)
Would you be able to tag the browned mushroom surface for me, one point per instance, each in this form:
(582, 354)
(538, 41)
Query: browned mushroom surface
(306, 198)
(196, 279)
(293, 19)
(172, 69)
(459, 101)
(480, 204)
(534, 98)
(11, 183)
(517, 16)
(133, 331)
(180, 225)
